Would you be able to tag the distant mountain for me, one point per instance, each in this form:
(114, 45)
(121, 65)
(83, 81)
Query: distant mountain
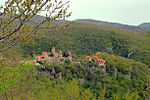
(38, 19)
(145, 26)
(110, 25)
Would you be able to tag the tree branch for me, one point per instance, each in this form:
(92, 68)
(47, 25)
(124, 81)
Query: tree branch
(25, 12)
(7, 36)
(8, 47)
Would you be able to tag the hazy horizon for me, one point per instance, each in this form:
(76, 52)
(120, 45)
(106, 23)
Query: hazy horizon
(131, 12)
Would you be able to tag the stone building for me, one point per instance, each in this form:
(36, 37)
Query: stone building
(53, 54)
(100, 62)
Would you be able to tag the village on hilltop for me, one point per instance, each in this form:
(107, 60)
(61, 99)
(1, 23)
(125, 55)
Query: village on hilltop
(53, 55)
(60, 57)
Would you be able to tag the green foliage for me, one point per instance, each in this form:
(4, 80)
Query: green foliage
(68, 61)
(148, 34)
(124, 78)
(88, 39)
(40, 62)
(33, 85)
(9, 76)
(6, 79)
(77, 83)
(51, 55)
(130, 78)
(28, 59)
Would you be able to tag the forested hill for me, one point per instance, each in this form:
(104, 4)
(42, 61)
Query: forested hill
(145, 26)
(82, 38)
(142, 27)
(123, 78)
(111, 25)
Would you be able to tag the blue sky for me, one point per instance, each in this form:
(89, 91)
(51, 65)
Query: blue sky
(133, 12)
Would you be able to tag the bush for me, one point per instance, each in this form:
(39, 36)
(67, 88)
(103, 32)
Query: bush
(40, 62)
(68, 61)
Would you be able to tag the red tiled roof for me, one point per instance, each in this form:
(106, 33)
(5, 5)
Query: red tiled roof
(87, 57)
(95, 57)
(100, 59)
(53, 48)
(60, 51)
(98, 52)
(40, 56)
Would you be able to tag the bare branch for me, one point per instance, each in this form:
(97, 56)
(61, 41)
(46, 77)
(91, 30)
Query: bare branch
(7, 36)
(25, 10)
(8, 47)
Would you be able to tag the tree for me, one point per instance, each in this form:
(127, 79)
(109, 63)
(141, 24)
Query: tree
(16, 14)
(148, 86)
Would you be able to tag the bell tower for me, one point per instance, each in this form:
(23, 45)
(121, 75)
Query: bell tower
(53, 50)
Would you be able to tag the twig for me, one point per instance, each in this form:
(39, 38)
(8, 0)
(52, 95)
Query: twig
(8, 47)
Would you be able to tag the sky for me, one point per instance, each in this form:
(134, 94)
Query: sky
(132, 12)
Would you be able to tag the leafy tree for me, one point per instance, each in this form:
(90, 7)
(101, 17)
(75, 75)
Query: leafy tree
(148, 86)
(102, 93)
(10, 75)
(16, 14)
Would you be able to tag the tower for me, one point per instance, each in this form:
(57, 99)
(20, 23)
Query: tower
(53, 50)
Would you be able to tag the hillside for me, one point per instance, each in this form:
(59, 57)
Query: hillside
(123, 75)
(145, 26)
(110, 25)
(82, 38)
(123, 79)
(48, 53)
(141, 27)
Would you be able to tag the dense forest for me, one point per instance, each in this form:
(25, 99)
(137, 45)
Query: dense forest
(127, 56)
(51, 58)
(27, 81)
(85, 39)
